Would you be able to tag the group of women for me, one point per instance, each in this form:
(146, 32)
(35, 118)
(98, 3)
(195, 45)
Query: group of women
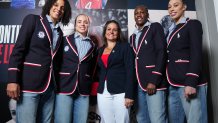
(51, 73)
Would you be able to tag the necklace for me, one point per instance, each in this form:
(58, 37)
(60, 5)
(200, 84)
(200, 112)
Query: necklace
(109, 48)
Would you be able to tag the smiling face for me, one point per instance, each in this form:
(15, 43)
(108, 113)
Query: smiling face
(140, 16)
(57, 11)
(82, 24)
(111, 33)
(176, 9)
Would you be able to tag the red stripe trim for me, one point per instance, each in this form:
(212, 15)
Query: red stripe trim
(32, 64)
(41, 91)
(182, 61)
(159, 89)
(192, 74)
(45, 29)
(171, 83)
(178, 85)
(168, 42)
(63, 73)
(87, 55)
(155, 72)
(71, 46)
(137, 75)
(89, 52)
(203, 84)
(150, 66)
(16, 69)
(69, 93)
(47, 35)
(143, 39)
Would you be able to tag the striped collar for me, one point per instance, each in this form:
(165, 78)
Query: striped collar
(137, 30)
(51, 23)
(78, 35)
(173, 26)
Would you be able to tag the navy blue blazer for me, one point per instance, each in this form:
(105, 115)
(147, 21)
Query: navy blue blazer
(30, 63)
(72, 73)
(119, 72)
(184, 48)
(150, 56)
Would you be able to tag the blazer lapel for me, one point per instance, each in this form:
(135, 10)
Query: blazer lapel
(59, 40)
(71, 42)
(177, 29)
(90, 50)
(47, 28)
(113, 53)
(101, 50)
(132, 38)
(142, 37)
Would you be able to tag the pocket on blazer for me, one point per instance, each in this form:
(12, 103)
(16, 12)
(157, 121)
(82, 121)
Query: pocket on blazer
(64, 73)
(150, 66)
(180, 68)
(32, 64)
(181, 61)
(149, 69)
(31, 73)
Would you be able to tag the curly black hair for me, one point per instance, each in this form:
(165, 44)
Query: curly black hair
(67, 10)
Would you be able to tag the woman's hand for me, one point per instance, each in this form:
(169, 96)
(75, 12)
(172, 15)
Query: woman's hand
(128, 102)
(190, 92)
(13, 90)
(151, 89)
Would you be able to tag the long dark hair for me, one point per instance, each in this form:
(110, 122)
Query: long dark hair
(120, 35)
(67, 10)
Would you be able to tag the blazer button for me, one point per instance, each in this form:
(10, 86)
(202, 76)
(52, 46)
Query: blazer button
(168, 60)
(168, 51)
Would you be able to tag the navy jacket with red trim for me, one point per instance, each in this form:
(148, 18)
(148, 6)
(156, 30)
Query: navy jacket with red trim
(150, 56)
(71, 73)
(30, 63)
(184, 49)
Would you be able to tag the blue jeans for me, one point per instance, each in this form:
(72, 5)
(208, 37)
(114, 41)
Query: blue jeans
(25, 4)
(151, 108)
(194, 110)
(71, 109)
(35, 108)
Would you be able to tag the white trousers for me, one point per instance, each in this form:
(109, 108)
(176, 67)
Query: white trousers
(112, 107)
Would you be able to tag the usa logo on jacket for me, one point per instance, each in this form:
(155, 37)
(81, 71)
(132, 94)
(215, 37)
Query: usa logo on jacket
(66, 48)
(41, 34)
